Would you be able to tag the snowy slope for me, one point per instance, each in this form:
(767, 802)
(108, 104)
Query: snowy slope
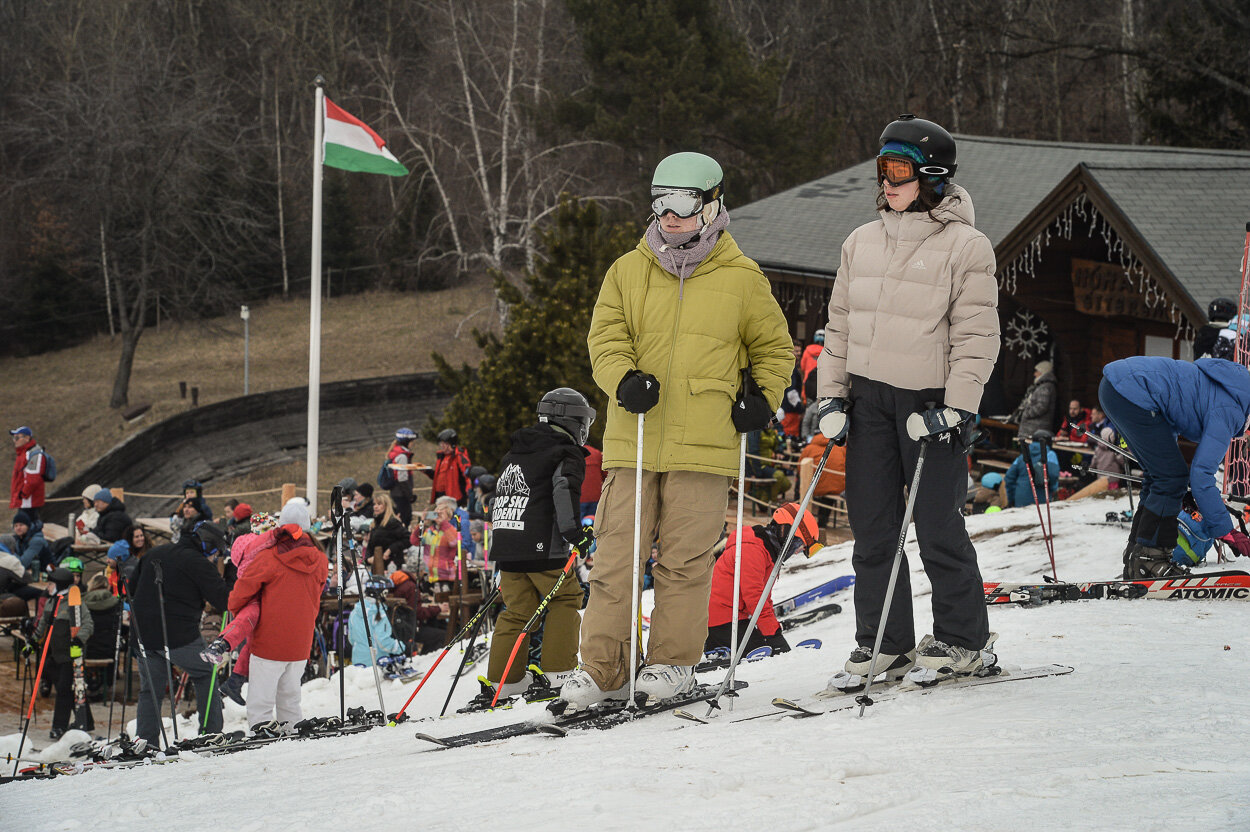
(1148, 733)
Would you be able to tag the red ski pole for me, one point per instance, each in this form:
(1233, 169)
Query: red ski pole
(30, 712)
(542, 607)
(1033, 487)
(486, 604)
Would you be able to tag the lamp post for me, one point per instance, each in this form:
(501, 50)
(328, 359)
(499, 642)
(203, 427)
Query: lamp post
(245, 314)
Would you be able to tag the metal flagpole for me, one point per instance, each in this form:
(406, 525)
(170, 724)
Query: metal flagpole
(314, 314)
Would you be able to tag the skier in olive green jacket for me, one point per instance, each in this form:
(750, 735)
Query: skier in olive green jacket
(686, 331)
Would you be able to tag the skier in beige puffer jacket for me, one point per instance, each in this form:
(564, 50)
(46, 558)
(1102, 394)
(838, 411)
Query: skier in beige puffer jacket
(912, 338)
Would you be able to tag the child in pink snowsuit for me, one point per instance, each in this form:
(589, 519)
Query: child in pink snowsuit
(237, 634)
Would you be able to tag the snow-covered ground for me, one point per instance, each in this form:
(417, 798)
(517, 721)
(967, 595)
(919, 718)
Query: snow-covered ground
(1149, 733)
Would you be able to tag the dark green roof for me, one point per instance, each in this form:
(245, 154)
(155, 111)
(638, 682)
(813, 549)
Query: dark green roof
(1185, 209)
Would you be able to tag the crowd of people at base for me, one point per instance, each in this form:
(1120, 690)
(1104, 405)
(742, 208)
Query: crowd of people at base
(692, 350)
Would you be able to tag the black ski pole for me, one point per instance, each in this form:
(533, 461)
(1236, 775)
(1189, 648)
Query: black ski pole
(373, 652)
(772, 579)
(863, 699)
(117, 661)
(468, 651)
(490, 599)
(336, 516)
(169, 662)
(138, 638)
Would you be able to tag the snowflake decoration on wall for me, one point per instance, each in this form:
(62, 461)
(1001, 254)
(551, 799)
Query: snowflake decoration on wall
(1027, 335)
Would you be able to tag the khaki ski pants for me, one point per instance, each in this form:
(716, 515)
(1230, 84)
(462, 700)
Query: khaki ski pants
(522, 593)
(685, 511)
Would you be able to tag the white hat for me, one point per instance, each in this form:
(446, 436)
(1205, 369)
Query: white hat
(295, 512)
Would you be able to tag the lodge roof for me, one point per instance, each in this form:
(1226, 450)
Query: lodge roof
(1159, 200)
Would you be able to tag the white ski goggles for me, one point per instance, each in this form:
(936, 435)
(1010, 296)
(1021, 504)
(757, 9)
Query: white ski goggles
(680, 201)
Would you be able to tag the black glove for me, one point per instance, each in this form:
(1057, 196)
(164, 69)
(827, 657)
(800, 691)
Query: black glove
(750, 411)
(585, 539)
(638, 392)
(935, 420)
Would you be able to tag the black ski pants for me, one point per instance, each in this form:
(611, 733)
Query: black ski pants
(880, 463)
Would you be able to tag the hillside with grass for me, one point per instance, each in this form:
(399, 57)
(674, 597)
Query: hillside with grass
(64, 395)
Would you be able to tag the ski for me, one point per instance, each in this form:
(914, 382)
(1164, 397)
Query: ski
(605, 715)
(76, 652)
(786, 607)
(816, 706)
(1211, 585)
(804, 617)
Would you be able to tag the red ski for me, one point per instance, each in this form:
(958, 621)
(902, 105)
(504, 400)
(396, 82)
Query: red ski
(1212, 585)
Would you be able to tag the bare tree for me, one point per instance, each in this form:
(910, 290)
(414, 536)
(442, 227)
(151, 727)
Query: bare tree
(145, 148)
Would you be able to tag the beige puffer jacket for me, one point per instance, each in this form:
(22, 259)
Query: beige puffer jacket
(915, 305)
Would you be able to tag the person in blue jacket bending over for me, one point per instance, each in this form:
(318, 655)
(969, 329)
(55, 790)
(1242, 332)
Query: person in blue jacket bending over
(1152, 401)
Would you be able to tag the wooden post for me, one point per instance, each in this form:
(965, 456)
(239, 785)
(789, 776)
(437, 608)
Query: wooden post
(807, 467)
(379, 567)
(288, 492)
(118, 492)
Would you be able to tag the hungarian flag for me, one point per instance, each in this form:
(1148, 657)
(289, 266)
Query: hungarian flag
(350, 144)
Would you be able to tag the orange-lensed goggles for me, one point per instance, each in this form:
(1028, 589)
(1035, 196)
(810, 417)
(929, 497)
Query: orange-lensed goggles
(899, 170)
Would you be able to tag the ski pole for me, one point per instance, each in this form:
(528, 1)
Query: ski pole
(169, 662)
(634, 589)
(463, 661)
(212, 682)
(373, 651)
(1028, 456)
(117, 661)
(143, 667)
(542, 608)
(772, 579)
(30, 712)
(1050, 522)
(733, 626)
(490, 599)
(1121, 451)
(863, 699)
(336, 514)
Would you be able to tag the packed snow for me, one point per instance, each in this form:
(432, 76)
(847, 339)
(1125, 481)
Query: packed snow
(1147, 734)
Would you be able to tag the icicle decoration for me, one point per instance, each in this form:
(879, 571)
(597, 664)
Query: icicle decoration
(1117, 252)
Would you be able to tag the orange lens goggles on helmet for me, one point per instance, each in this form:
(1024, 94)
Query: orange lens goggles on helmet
(898, 170)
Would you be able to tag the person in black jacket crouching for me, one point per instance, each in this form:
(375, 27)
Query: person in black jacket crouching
(534, 520)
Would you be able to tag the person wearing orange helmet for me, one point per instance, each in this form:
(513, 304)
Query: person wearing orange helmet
(761, 546)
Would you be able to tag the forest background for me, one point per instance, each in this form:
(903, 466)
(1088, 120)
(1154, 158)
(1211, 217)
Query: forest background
(157, 153)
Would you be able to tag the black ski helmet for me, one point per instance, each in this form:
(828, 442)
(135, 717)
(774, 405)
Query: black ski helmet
(1221, 310)
(932, 140)
(486, 482)
(378, 586)
(569, 409)
(62, 578)
(448, 435)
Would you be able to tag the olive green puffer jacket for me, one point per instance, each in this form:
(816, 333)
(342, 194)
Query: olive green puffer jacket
(694, 336)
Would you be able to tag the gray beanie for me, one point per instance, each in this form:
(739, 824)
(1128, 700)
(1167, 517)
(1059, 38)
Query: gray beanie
(295, 512)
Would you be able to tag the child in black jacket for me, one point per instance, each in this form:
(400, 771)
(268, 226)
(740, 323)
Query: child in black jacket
(534, 519)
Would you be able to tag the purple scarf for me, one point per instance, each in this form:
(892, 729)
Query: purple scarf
(681, 254)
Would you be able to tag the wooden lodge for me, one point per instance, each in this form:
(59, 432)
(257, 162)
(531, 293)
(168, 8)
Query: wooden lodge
(1104, 251)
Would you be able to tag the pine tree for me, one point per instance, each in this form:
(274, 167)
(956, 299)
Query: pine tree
(674, 75)
(544, 342)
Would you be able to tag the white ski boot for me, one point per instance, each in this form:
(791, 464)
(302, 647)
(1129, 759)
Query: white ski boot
(939, 661)
(664, 681)
(854, 675)
(579, 691)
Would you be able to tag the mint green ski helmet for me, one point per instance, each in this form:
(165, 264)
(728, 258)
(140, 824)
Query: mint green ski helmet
(688, 183)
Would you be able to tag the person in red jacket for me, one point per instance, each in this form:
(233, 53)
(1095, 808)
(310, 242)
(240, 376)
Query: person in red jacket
(26, 488)
(592, 485)
(450, 472)
(808, 362)
(287, 577)
(760, 547)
